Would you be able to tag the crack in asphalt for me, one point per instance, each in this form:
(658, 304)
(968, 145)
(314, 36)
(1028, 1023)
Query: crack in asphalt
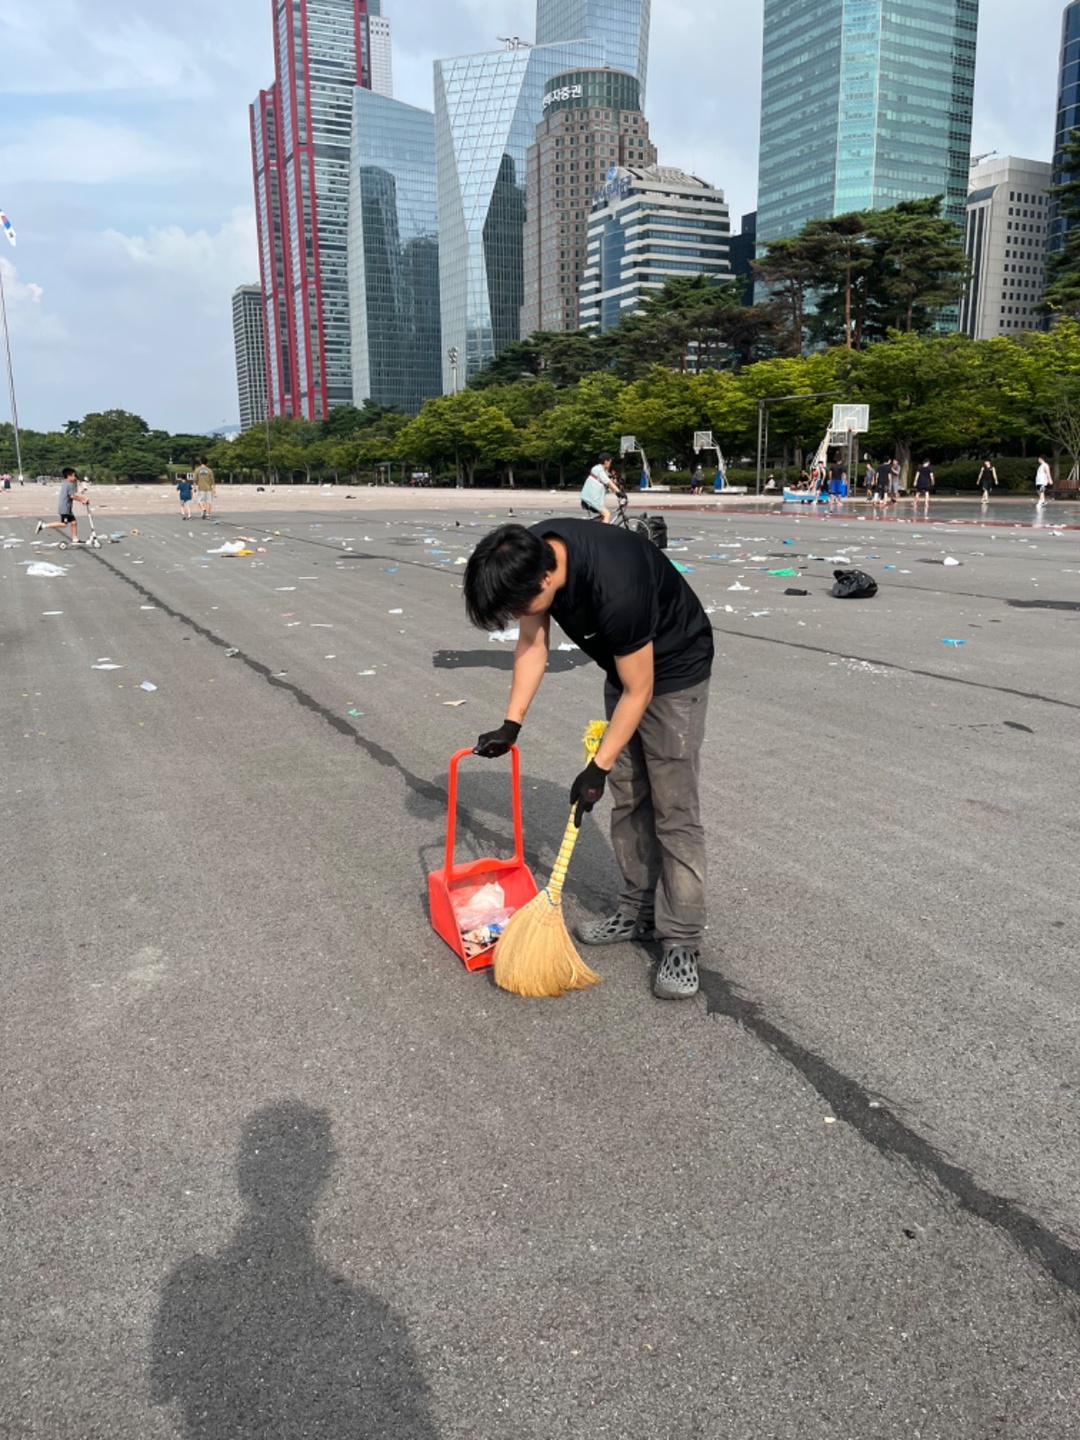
(894, 665)
(849, 1100)
(877, 1125)
(425, 789)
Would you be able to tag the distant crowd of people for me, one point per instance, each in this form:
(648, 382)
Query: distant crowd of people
(882, 487)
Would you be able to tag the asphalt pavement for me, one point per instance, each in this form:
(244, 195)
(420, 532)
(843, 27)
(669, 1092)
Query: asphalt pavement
(277, 1165)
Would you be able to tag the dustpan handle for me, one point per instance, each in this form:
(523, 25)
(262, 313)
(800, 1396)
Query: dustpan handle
(451, 819)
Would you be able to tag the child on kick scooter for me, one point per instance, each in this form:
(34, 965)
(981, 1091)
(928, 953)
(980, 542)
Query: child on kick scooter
(69, 493)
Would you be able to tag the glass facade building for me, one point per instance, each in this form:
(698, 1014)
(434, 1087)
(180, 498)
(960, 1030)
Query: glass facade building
(864, 103)
(249, 341)
(622, 25)
(1068, 104)
(486, 111)
(592, 122)
(301, 142)
(393, 254)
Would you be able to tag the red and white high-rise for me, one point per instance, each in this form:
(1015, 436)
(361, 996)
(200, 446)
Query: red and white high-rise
(301, 130)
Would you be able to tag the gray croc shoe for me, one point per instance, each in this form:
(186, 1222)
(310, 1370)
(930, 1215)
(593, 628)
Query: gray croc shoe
(676, 976)
(613, 929)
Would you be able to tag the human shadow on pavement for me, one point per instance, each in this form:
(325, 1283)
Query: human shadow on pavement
(262, 1340)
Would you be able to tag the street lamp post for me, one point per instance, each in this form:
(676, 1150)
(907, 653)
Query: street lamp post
(453, 355)
(763, 423)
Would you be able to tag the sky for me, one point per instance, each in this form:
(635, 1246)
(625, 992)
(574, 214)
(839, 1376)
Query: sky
(125, 166)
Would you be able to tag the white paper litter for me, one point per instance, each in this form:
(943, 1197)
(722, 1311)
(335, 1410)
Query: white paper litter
(43, 569)
(504, 635)
(146, 685)
(106, 667)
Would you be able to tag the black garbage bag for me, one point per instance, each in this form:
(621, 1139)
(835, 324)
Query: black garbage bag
(853, 585)
(658, 531)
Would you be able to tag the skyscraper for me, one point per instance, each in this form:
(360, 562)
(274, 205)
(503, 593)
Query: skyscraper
(1006, 241)
(394, 254)
(622, 26)
(301, 138)
(592, 122)
(864, 103)
(486, 111)
(250, 343)
(648, 226)
(1068, 105)
(380, 52)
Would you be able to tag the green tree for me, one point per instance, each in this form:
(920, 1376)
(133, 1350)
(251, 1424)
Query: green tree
(663, 410)
(465, 428)
(585, 422)
(841, 252)
(922, 267)
(924, 392)
(791, 270)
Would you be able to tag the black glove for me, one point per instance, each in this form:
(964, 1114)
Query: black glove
(497, 742)
(587, 790)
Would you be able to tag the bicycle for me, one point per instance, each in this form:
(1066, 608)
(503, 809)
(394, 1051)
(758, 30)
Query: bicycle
(654, 530)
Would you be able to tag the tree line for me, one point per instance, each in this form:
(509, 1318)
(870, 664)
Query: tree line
(943, 396)
(855, 305)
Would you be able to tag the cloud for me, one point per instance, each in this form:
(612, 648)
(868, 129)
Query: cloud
(200, 256)
(126, 167)
(16, 292)
(66, 47)
(139, 321)
(74, 150)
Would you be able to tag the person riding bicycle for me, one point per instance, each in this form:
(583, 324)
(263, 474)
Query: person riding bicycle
(597, 487)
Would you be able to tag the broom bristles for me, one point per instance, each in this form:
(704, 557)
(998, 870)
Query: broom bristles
(535, 956)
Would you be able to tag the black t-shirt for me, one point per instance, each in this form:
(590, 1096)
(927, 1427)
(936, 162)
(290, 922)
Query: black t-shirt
(620, 593)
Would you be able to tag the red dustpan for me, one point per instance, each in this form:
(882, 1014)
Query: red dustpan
(451, 889)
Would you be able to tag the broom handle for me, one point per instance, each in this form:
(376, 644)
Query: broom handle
(562, 863)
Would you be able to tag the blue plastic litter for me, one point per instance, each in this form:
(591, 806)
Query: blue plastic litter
(953, 642)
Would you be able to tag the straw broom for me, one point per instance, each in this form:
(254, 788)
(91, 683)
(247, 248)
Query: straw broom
(535, 956)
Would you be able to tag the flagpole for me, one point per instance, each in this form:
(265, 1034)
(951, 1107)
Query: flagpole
(11, 377)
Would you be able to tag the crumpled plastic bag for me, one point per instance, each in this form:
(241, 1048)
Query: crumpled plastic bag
(853, 585)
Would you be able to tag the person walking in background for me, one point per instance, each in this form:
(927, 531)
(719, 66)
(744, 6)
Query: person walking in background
(65, 504)
(987, 480)
(204, 483)
(881, 482)
(1043, 479)
(924, 483)
(183, 486)
(894, 482)
(870, 481)
(697, 480)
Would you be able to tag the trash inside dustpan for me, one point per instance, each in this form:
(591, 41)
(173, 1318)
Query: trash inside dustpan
(452, 889)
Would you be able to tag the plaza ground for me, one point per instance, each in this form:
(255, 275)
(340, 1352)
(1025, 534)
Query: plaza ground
(276, 1164)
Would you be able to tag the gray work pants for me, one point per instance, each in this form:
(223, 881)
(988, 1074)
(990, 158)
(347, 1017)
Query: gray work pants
(656, 829)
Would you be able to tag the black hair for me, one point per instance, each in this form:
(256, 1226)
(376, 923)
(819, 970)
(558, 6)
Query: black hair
(606, 455)
(504, 575)
(67, 470)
